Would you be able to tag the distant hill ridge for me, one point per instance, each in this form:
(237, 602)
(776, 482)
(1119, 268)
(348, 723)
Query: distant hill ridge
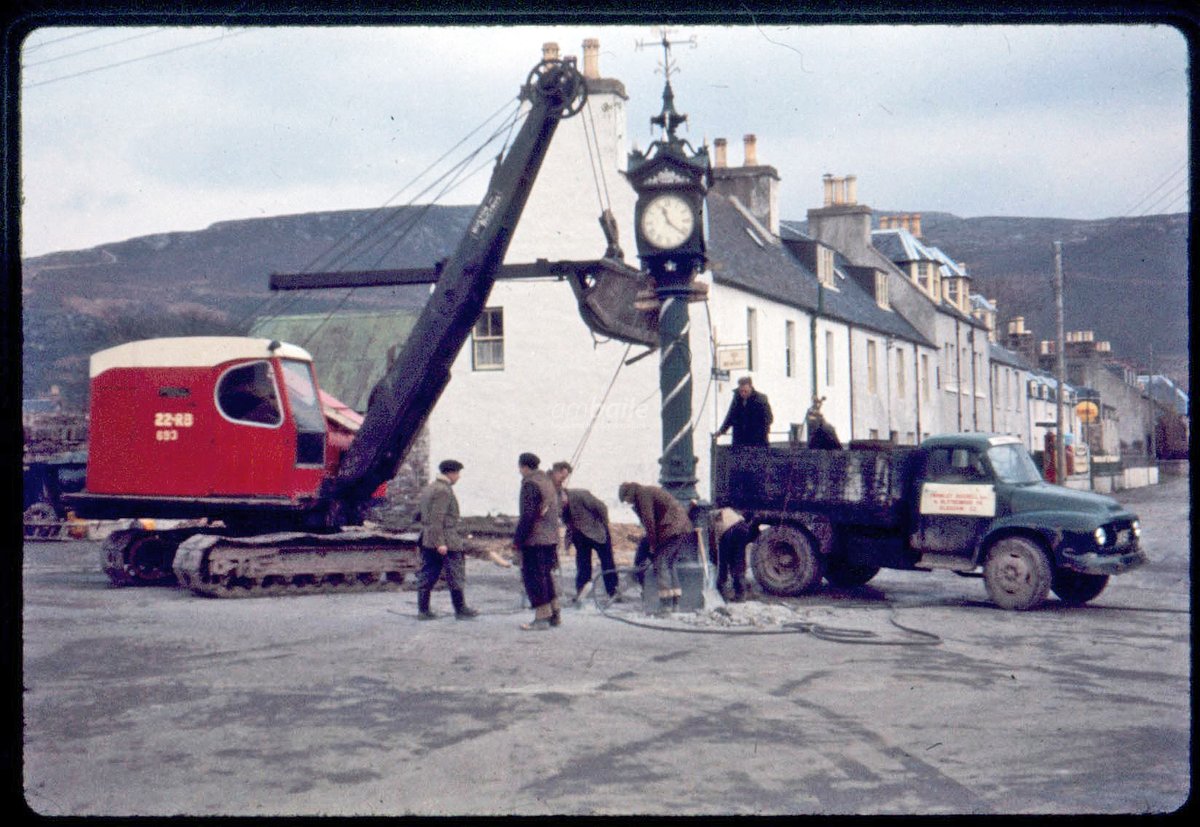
(1125, 279)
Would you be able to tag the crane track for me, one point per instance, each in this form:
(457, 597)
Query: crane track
(294, 563)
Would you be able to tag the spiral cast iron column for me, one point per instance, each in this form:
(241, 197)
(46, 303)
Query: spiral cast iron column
(678, 462)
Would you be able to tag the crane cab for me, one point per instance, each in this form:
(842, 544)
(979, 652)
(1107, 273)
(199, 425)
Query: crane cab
(206, 416)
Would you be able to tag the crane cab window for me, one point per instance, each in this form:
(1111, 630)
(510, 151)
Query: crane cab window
(306, 411)
(247, 394)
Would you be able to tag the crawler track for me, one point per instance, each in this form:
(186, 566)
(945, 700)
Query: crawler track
(293, 563)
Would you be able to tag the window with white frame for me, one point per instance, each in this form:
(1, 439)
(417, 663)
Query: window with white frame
(751, 339)
(487, 340)
(881, 290)
(825, 266)
(828, 357)
(872, 368)
(789, 349)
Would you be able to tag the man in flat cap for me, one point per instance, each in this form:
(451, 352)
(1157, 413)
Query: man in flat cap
(586, 518)
(442, 545)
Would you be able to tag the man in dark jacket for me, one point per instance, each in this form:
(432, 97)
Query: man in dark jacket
(749, 415)
(442, 545)
(669, 533)
(536, 537)
(586, 519)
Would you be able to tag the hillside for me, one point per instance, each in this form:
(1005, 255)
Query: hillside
(214, 281)
(1126, 279)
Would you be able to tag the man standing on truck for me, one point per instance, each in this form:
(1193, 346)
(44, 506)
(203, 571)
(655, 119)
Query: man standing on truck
(586, 518)
(820, 433)
(536, 537)
(669, 533)
(442, 545)
(749, 415)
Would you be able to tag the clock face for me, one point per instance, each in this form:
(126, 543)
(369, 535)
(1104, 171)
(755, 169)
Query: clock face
(668, 221)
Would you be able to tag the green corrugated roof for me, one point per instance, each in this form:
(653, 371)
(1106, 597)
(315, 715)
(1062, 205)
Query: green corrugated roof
(350, 349)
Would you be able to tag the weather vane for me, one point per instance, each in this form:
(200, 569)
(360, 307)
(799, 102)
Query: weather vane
(668, 65)
(668, 119)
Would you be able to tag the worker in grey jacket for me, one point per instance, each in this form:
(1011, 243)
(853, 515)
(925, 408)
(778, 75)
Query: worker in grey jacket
(536, 538)
(586, 519)
(442, 545)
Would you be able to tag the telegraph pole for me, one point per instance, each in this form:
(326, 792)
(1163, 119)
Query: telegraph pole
(1060, 447)
(1153, 410)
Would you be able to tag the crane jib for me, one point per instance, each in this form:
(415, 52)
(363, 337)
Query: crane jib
(403, 398)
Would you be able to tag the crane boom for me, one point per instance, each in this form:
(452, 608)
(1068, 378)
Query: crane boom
(402, 400)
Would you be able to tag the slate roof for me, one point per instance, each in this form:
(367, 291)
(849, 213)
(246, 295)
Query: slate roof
(1163, 390)
(746, 257)
(349, 348)
(1004, 356)
(901, 246)
(978, 302)
(1049, 381)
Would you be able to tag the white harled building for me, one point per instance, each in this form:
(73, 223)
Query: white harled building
(781, 308)
(821, 311)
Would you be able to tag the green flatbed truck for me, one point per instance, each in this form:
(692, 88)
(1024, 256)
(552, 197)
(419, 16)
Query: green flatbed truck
(971, 503)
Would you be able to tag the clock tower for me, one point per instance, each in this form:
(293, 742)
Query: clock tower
(670, 180)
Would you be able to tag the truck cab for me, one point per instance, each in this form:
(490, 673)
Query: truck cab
(970, 503)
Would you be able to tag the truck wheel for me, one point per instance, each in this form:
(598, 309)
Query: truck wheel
(843, 574)
(1076, 588)
(785, 562)
(1016, 574)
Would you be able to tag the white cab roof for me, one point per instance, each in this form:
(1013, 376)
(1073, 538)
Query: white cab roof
(190, 352)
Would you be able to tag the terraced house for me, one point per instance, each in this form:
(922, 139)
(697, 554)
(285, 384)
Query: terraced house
(871, 321)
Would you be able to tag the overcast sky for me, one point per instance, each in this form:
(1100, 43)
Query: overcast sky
(133, 131)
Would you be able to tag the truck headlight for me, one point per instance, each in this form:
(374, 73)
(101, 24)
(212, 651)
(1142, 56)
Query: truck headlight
(1137, 528)
(1101, 536)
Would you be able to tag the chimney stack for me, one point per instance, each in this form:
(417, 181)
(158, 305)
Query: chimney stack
(591, 58)
(719, 149)
(754, 185)
(750, 143)
(550, 51)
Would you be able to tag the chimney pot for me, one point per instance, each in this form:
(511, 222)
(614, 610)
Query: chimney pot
(827, 179)
(591, 58)
(750, 143)
(916, 225)
(550, 51)
(851, 189)
(719, 148)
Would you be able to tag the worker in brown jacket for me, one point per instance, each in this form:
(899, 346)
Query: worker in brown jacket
(536, 537)
(442, 545)
(669, 533)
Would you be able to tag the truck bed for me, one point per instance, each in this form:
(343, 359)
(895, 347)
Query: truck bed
(862, 486)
